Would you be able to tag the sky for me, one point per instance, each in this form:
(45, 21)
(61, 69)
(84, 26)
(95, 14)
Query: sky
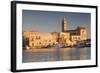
(50, 21)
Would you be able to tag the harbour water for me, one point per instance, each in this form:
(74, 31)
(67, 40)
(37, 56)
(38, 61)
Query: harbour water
(56, 54)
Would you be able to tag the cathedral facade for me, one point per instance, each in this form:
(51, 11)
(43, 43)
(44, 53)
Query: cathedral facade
(65, 37)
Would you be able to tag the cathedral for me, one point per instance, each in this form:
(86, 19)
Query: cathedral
(65, 37)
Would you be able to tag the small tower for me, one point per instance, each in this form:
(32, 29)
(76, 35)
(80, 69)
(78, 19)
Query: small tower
(64, 24)
(82, 32)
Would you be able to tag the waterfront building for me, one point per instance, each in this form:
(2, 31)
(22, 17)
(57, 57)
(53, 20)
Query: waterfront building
(65, 37)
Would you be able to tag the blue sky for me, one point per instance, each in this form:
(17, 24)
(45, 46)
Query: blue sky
(49, 21)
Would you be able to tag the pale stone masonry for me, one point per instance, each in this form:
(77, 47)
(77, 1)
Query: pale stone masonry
(65, 37)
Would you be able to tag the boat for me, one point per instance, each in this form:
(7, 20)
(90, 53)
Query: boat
(80, 45)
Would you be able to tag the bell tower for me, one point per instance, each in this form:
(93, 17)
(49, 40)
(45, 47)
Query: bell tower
(64, 24)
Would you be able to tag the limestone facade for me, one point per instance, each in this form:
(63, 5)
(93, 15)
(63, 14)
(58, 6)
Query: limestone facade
(65, 37)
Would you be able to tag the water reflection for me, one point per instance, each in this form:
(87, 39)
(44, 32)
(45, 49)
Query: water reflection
(58, 54)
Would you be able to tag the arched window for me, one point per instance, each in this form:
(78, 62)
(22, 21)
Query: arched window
(32, 44)
(32, 39)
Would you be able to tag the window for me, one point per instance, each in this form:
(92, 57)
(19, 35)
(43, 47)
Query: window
(32, 39)
(39, 42)
(45, 40)
(37, 37)
(32, 44)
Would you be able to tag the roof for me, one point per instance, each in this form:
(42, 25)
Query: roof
(73, 32)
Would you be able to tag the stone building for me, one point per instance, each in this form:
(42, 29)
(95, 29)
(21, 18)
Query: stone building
(38, 39)
(65, 37)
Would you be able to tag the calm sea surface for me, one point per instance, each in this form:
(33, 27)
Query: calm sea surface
(57, 55)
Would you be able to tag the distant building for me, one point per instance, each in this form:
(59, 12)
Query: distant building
(65, 37)
(64, 24)
(37, 39)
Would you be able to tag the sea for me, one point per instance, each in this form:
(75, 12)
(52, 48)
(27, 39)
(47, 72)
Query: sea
(56, 54)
